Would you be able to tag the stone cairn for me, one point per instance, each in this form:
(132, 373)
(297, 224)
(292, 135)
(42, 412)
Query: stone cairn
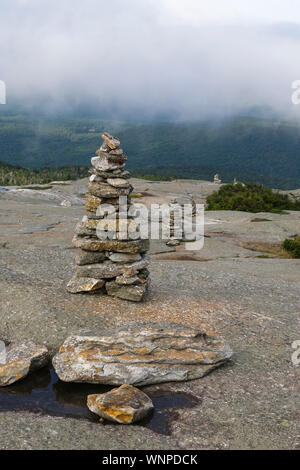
(116, 265)
(175, 223)
(217, 179)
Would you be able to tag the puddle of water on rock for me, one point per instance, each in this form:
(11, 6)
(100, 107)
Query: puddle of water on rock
(43, 392)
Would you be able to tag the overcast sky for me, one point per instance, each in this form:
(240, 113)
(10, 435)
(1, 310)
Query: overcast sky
(193, 57)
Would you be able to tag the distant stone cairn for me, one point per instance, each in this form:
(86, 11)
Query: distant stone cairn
(217, 179)
(111, 254)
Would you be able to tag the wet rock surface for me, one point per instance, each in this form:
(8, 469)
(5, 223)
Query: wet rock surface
(124, 405)
(140, 354)
(44, 394)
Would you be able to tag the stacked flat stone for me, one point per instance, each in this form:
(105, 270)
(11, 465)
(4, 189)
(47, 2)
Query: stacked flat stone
(116, 265)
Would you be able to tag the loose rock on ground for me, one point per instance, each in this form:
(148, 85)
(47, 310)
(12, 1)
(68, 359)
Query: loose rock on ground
(140, 354)
(21, 358)
(124, 405)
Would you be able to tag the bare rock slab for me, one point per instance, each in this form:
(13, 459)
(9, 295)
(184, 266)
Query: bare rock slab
(20, 359)
(124, 405)
(140, 354)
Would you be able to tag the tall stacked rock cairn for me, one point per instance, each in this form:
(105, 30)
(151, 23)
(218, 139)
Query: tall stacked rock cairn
(114, 265)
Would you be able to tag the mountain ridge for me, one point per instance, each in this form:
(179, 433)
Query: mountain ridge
(248, 148)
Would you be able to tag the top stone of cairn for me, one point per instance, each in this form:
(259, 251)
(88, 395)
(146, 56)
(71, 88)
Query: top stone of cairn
(111, 142)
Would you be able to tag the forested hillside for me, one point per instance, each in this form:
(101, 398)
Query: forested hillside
(265, 151)
(11, 175)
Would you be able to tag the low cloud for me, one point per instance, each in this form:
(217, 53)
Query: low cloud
(145, 56)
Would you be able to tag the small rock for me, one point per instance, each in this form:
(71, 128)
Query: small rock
(133, 292)
(110, 141)
(124, 257)
(113, 157)
(118, 182)
(120, 174)
(21, 358)
(105, 148)
(78, 285)
(83, 230)
(117, 173)
(116, 152)
(92, 203)
(94, 178)
(104, 164)
(89, 257)
(90, 244)
(104, 190)
(125, 280)
(124, 405)
(108, 269)
(66, 203)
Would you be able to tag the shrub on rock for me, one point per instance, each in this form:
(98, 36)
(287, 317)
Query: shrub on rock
(250, 197)
(292, 246)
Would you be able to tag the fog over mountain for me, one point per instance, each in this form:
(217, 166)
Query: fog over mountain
(185, 60)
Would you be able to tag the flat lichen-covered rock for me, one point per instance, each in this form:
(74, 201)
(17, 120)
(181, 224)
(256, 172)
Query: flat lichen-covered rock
(124, 405)
(140, 354)
(20, 359)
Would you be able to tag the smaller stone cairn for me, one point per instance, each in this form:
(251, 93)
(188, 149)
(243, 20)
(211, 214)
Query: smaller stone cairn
(116, 265)
(217, 179)
(175, 223)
